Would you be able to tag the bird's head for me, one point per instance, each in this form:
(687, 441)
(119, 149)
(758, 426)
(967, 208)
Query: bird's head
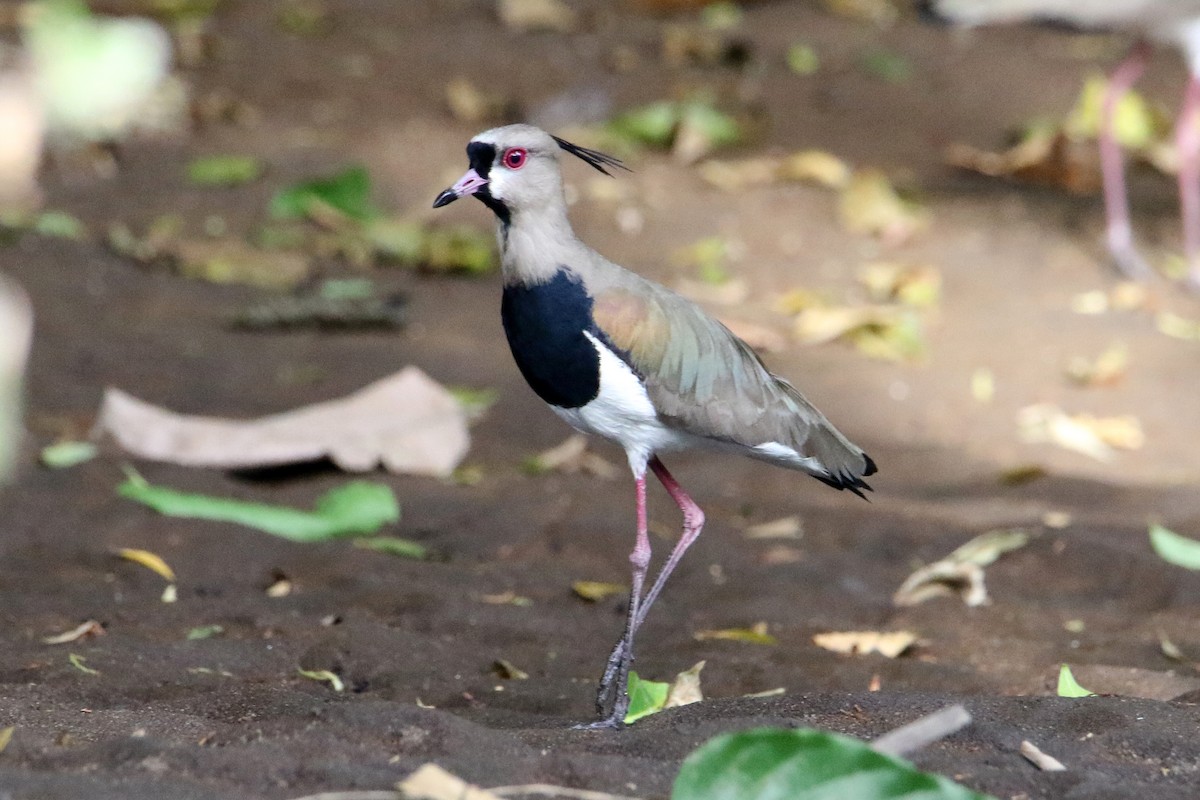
(515, 168)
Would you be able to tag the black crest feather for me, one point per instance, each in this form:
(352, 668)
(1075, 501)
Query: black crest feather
(594, 158)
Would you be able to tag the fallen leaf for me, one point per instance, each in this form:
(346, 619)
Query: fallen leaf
(393, 545)
(596, 591)
(6, 736)
(89, 628)
(59, 225)
(701, 130)
(508, 598)
(1107, 369)
(1169, 648)
(536, 15)
(645, 697)
(232, 261)
(346, 194)
(358, 508)
(77, 660)
(282, 587)
(569, 457)
(1083, 433)
(685, 689)
(509, 671)
(431, 782)
(789, 527)
(871, 205)
(1042, 157)
(1067, 685)
(1177, 327)
(816, 166)
(224, 170)
(889, 645)
(767, 693)
(406, 422)
(961, 572)
(915, 285)
(781, 554)
(324, 676)
(1175, 549)
(67, 454)
(755, 634)
(1136, 124)
(820, 324)
(802, 59)
(204, 632)
(1022, 474)
(1039, 759)
(880, 13)
(148, 560)
(732, 176)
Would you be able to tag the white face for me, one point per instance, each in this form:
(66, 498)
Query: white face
(523, 172)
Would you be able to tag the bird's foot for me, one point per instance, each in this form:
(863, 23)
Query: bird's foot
(612, 670)
(1128, 260)
(613, 720)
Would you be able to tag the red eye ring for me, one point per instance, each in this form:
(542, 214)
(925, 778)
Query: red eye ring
(514, 157)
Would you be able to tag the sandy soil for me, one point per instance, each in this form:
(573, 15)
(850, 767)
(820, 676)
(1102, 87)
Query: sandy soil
(228, 717)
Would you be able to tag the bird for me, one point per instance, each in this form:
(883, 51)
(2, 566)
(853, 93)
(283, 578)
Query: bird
(1174, 22)
(620, 357)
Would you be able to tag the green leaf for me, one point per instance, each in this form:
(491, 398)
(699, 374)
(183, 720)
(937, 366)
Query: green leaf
(356, 509)
(717, 127)
(802, 59)
(347, 289)
(1175, 549)
(1068, 686)
(62, 455)
(459, 248)
(393, 545)
(402, 241)
(645, 698)
(804, 764)
(653, 124)
(60, 225)
(348, 192)
(224, 170)
(204, 632)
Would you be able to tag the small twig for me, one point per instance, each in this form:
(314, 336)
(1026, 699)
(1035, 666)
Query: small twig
(1039, 759)
(547, 790)
(383, 794)
(922, 732)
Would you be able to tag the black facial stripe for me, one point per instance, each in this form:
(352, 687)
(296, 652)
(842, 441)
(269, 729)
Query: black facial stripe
(481, 156)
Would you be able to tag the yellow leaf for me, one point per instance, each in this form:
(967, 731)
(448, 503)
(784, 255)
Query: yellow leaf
(870, 204)
(685, 689)
(325, 676)
(888, 645)
(149, 561)
(816, 166)
(755, 634)
(915, 285)
(6, 736)
(595, 591)
(1107, 369)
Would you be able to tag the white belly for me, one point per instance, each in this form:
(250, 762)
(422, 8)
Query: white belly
(622, 413)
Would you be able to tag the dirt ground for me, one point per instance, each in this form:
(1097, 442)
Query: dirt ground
(228, 716)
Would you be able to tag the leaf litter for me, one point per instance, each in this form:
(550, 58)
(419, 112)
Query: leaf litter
(89, 628)
(961, 572)
(755, 634)
(1097, 437)
(406, 422)
(1174, 548)
(649, 697)
(889, 644)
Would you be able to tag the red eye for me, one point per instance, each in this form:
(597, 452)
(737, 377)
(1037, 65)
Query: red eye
(514, 157)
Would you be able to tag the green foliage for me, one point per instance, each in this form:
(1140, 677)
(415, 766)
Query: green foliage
(1175, 549)
(645, 698)
(224, 170)
(62, 455)
(359, 508)
(804, 764)
(347, 193)
(1068, 686)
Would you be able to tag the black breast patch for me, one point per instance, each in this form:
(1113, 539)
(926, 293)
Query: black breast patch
(545, 324)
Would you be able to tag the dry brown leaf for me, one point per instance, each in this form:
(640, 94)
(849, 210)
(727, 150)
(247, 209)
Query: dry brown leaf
(871, 205)
(407, 422)
(1083, 433)
(685, 689)
(815, 166)
(961, 572)
(1107, 369)
(572, 456)
(596, 591)
(536, 15)
(431, 782)
(821, 324)
(1042, 158)
(509, 671)
(89, 628)
(889, 645)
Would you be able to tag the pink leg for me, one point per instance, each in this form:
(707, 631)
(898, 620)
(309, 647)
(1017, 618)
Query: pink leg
(612, 699)
(693, 523)
(1116, 199)
(1187, 142)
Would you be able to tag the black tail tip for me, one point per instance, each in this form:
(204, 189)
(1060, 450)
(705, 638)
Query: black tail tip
(871, 469)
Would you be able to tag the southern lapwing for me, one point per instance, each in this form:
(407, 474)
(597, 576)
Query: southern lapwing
(1175, 22)
(623, 358)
